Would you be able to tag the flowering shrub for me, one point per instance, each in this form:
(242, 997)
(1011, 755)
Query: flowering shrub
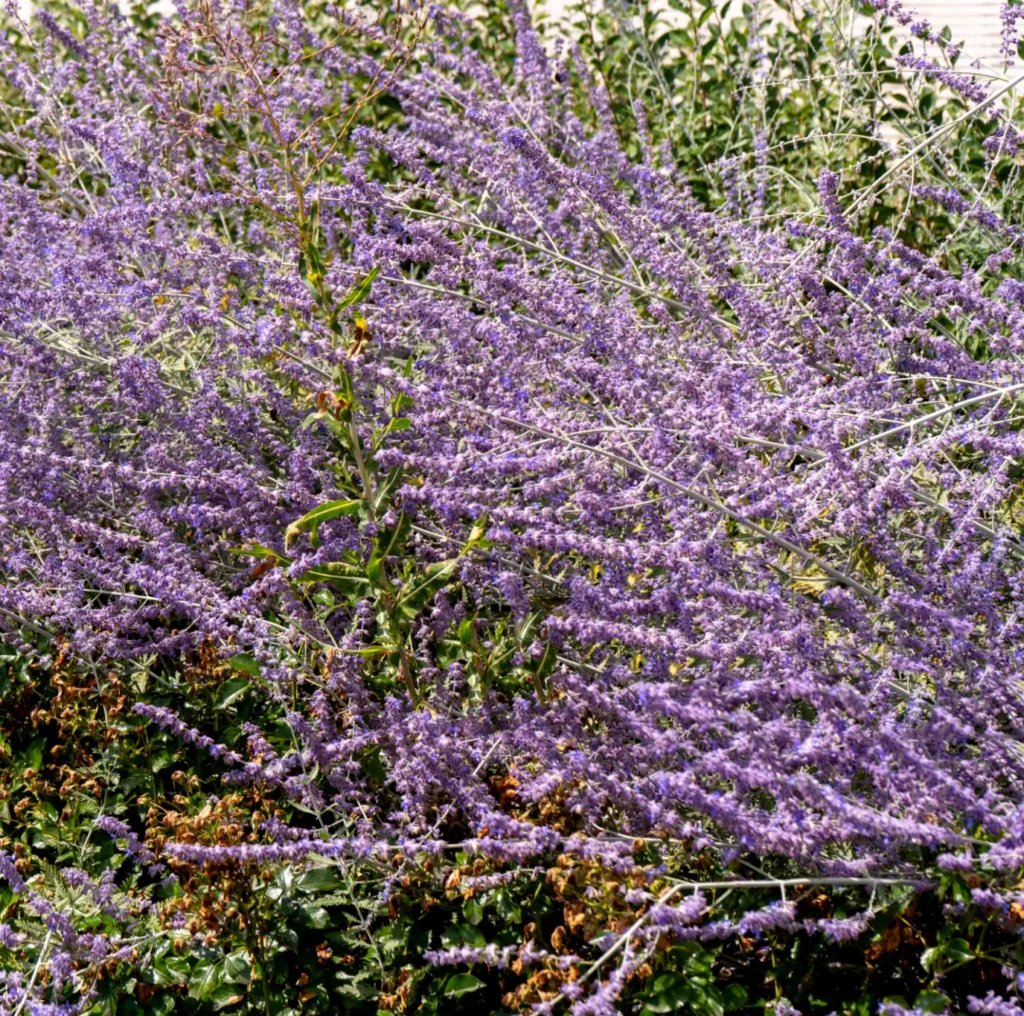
(477, 567)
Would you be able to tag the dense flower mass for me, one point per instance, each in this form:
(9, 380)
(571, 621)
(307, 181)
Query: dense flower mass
(329, 345)
(775, 471)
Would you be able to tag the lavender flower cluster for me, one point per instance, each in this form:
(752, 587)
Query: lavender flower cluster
(757, 489)
(775, 473)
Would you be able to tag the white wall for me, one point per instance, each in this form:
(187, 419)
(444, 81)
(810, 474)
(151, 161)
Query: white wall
(976, 23)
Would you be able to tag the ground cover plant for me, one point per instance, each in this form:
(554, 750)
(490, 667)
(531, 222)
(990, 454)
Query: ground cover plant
(501, 522)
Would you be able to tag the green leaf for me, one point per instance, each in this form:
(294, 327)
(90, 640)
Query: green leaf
(734, 996)
(529, 627)
(315, 917)
(231, 691)
(667, 993)
(33, 754)
(477, 536)
(417, 595)
(245, 663)
(392, 941)
(464, 934)
(161, 760)
(318, 880)
(171, 970)
(359, 291)
(953, 884)
(461, 984)
(324, 598)
(547, 661)
(258, 550)
(958, 950)
(395, 423)
(312, 289)
(316, 262)
(392, 540)
(205, 980)
(375, 567)
(700, 962)
(387, 489)
(508, 910)
(160, 1005)
(708, 1000)
(373, 768)
(931, 1001)
(334, 426)
(399, 402)
(223, 996)
(356, 991)
(311, 521)
(236, 968)
(348, 579)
